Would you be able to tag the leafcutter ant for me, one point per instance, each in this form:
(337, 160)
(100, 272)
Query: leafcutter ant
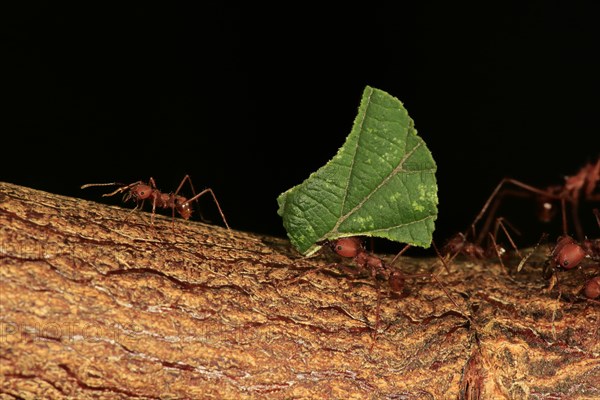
(352, 247)
(569, 254)
(459, 244)
(141, 191)
(580, 186)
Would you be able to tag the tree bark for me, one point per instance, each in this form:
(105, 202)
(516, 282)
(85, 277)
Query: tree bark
(98, 303)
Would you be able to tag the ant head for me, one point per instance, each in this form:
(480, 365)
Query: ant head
(347, 247)
(454, 244)
(139, 192)
(185, 209)
(476, 251)
(568, 254)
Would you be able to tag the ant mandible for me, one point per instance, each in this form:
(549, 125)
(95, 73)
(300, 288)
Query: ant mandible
(140, 192)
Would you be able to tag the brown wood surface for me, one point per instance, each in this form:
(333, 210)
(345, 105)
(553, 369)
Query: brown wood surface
(98, 304)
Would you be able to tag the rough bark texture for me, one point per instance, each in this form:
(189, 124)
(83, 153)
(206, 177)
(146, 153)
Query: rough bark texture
(96, 303)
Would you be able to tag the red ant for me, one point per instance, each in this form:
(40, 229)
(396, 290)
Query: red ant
(352, 247)
(576, 187)
(568, 254)
(459, 244)
(140, 192)
(580, 185)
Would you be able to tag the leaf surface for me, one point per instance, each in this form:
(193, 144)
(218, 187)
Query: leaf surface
(380, 183)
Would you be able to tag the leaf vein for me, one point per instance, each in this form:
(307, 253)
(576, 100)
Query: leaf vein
(394, 172)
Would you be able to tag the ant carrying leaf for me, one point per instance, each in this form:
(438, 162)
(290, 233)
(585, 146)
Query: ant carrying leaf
(381, 183)
(353, 248)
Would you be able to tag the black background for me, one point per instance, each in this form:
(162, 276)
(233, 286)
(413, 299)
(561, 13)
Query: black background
(249, 101)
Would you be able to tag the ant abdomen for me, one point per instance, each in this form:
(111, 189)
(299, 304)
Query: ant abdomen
(396, 282)
(592, 288)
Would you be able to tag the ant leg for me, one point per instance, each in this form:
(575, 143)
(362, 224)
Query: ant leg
(154, 199)
(435, 278)
(400, 253)
(196, 196)
(439, 283)
(377, 316)
(378, 306)
(575, 216)
(497, 251)
(495, 192)
(563, 209)
(138, 206)
(153, 212)
(310, 270)
(502, 222)
(442, 258)
(431, 275)
(493, 210)
(188, 179)
(209, 190)
(524, 259)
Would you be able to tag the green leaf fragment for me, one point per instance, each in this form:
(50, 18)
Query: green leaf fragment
(380, 183)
